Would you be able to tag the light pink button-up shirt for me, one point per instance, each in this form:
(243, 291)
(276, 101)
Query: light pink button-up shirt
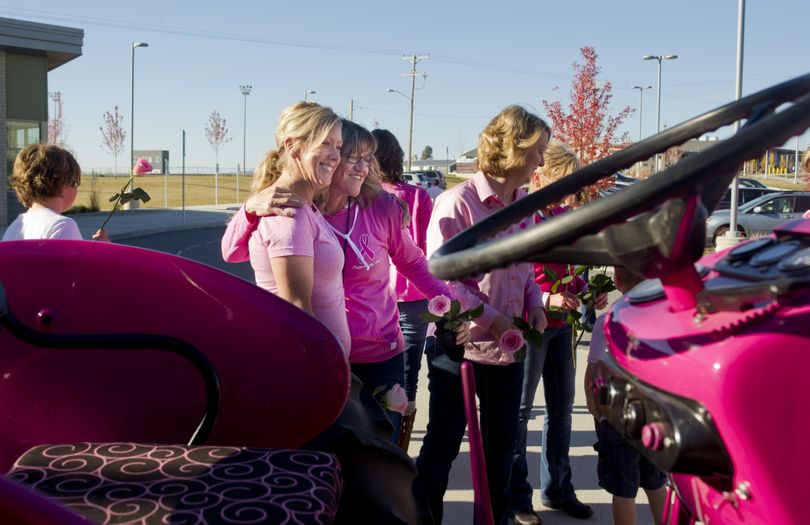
(509, 291)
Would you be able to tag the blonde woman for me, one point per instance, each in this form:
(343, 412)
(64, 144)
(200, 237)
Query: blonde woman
(510, 148)
(553, 361)
(287, 253)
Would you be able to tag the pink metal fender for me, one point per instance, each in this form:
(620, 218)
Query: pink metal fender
(283, 376)
(718, 396)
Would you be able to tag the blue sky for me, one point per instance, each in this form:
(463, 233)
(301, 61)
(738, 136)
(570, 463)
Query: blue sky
(484, 56)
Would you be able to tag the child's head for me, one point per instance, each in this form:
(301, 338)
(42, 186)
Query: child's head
(43, 172)
(625, 279)
(560, 160)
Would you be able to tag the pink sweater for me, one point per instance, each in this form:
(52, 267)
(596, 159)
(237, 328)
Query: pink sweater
(509, 291)
(309, 235)
(420, 206)
(371, 304)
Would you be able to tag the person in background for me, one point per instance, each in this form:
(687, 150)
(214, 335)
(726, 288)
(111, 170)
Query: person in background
(806, 167)
(410, 301)
(46, 180)
(621, 468)
(510, 148)
(434, 190)
(554, 361)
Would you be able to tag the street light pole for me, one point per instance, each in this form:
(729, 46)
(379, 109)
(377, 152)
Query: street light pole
(659, 58)
(640, 106)
(307, 93)
(410, 126)
(244, 89)
(133, 203)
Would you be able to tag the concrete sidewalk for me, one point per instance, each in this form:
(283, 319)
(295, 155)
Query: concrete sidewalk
(126, 224)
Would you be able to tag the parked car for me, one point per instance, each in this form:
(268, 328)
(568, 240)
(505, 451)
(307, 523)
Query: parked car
(432, 175)
(744, 194)
(761, 215)
(745, 182)
(416, 179)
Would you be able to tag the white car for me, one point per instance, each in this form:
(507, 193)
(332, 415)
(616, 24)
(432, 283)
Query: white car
(416, 179)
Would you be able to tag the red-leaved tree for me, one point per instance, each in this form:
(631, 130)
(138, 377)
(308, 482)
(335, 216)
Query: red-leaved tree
(587, 127)
(113, 135)
(217, 134)
(56, 125)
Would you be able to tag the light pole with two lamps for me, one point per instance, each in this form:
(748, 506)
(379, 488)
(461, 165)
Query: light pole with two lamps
(133, 203)
(244, 89)
(659, 58)
(410, 125)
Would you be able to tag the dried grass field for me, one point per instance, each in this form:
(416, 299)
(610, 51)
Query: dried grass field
(200, 189)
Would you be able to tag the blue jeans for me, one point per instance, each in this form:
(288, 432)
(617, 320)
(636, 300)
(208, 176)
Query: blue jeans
(499, 396)
(414, 331)
(384, 374)
(553, 361)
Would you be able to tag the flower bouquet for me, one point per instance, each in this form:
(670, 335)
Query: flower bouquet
(141, 167)
(447, 315)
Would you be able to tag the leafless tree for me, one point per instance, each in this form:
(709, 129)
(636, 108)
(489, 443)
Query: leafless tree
(217, 134)
(113, 135)
(56, 125)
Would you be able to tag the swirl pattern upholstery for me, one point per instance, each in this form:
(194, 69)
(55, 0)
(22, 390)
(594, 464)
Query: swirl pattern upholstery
(149, 484)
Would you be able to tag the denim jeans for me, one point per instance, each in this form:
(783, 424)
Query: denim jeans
(414, 331)
(553, 361)
(383, 374)
(499, 397)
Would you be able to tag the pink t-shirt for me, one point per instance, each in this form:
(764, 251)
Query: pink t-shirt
(305, 234)
(419, 206)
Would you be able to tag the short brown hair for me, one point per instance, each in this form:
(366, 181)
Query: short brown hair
(41, 171)
(508, 135)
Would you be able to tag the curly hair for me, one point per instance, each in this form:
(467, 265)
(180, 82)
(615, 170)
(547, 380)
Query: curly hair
(307, 123)
(389, 155)
(502, 144)
(41, 171)
(806, 160)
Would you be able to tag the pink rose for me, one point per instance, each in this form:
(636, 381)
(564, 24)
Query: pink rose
(511, 341)
(141, 167)
(439, 305)
(396, 399)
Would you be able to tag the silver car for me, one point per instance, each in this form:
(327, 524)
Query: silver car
(759, 216)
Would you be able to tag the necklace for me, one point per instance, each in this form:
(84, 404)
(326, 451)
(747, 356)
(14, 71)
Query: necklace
(347, 240)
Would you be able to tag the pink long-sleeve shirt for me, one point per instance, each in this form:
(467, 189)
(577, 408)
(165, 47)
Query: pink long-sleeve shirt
(509, 291)
(420, 207)
(371, 304)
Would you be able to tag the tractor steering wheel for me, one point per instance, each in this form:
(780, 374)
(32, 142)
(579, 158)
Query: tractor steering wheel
(668, 210)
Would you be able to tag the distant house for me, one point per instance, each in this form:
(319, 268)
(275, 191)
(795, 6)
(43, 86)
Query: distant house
(467, 163)
(28, 51)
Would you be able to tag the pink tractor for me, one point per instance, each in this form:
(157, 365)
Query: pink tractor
(704, 373)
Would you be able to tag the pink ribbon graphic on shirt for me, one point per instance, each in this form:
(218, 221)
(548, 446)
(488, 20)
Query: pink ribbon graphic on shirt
(365, 250)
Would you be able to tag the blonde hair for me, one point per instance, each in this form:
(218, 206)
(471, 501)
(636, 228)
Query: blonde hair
(806, 160)
(41, 171)
(357, 140)
(307, 124)
(503, 143)
(559, 161)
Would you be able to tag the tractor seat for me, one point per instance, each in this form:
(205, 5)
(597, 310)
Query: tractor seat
(129, 483)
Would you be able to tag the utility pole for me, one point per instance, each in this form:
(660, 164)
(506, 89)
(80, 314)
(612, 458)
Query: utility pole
(413, 59)
(351, 109)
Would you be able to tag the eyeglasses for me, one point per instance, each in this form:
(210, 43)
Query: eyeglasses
(354, 159)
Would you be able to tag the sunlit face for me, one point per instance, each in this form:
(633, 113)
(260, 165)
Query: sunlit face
(534, 157)
(320, 161)
(349, 176)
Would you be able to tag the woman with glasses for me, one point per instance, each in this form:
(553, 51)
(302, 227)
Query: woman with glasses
(370, 227)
